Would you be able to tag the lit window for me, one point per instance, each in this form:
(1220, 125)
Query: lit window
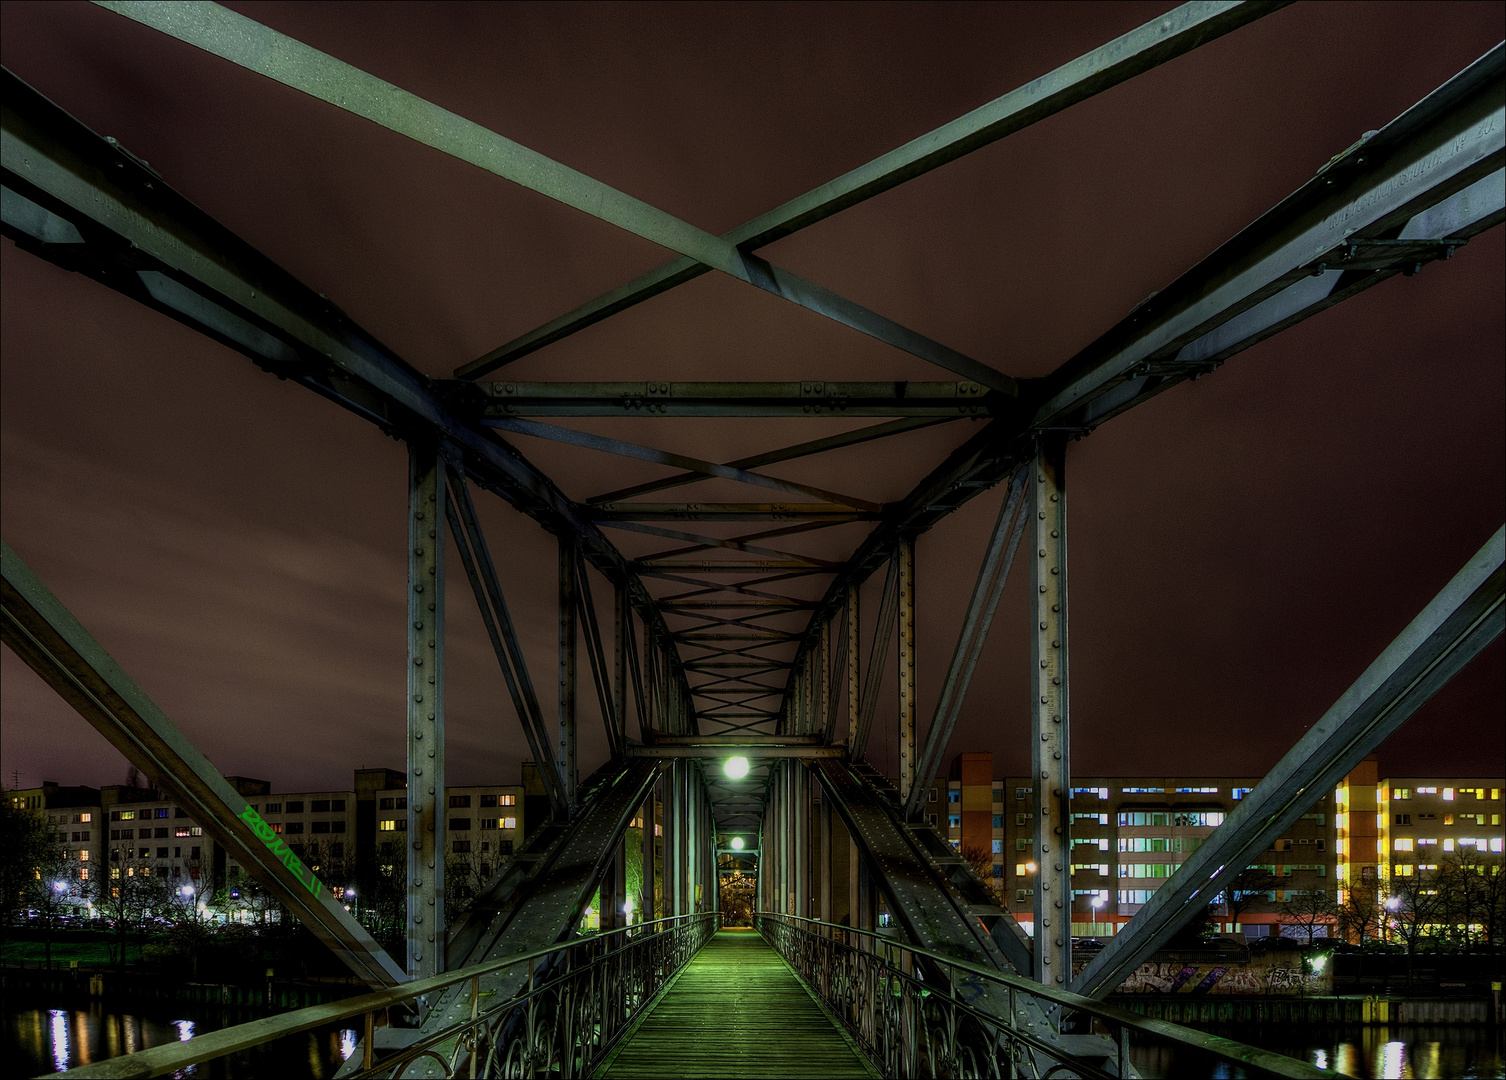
(1448, 794)
(1448, 845)
(1427, 791)
(86, 817)
(508, 800)
(387, 825)
(1401, 844)
(512, 823)
(1495, 843)
(1401, 793)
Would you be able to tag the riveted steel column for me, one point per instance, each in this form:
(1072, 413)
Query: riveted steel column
(824, 864)
(650, 850)
(621, 614)
(823, 691)
(854, 686)
(1052, 777)
(565, 751)
(802, 838)
(907, 704)
(426, 824)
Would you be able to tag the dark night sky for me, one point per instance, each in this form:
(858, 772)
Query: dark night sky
(1241, 547)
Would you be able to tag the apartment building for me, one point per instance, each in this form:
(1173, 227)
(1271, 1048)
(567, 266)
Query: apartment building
(1397, 826)
(1129, 835)
(486, 821)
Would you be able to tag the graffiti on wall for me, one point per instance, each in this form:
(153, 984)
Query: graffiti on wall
(1176, 977)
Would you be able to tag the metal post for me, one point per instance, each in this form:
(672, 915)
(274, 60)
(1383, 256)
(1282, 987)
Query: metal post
(907, 704)
(426, 824)
(824, 865)
(801, 830)
(1052, 777)
(565, 752)
(854, 884)
(650, 851)
(823, 705)
(854, 686)
(622, 614)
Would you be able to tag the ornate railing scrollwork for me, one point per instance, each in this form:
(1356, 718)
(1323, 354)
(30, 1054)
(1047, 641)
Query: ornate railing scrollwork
(916, 1013)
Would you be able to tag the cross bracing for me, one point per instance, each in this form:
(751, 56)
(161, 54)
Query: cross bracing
(749, 640)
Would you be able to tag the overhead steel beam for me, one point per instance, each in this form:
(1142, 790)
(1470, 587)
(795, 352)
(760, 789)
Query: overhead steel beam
(807, 399)
(139, 237)
(773, 457)
(627, 511)
(798, 752)
(1433, 173)
(1162, 39)
(663, 457)
(425, 839)
(54, 644)
(1467, 615)
(998, 557)
(258, 48)
(1327, 241)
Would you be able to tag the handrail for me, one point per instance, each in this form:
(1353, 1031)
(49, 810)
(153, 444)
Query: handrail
(162, 1060)
(1229, 1049)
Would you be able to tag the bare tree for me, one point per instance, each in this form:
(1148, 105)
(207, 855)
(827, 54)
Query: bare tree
(125, 895)
(1413, 904)
(1251, 886)
(1361, 912)
(1310, 909)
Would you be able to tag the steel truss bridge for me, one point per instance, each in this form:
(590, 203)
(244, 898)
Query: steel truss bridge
(726, 655)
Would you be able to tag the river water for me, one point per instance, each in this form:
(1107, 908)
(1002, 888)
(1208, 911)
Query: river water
(36, 1041)
(1445, 1050)
(41, 1040)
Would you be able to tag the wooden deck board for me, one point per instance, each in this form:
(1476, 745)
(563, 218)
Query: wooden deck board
(736, 1011)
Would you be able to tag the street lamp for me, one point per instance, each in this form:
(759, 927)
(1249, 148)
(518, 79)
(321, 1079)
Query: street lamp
(737, 843)
(736, 768)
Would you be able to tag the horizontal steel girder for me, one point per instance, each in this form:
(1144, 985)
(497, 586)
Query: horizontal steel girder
(752, 753)
(808, 398)
(1460, 621)
(628, 511)
(44, 634)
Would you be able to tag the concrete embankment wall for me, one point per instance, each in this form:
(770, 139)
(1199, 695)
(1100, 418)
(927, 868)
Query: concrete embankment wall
(1250, 1009)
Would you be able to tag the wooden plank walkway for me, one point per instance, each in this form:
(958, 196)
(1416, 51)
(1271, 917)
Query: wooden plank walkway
(737, 1010)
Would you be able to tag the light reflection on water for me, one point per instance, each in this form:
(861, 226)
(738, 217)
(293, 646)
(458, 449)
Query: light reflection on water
(42, 1040)
(1444, 1052)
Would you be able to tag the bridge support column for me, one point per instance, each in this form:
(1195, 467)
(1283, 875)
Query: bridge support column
(646, 905)
(565, 753)
(1051, 775)
(426, 822)
(907, 704)
(854, 686)
(824, 866)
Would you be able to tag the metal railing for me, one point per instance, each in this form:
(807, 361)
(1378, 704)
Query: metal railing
(573, 1003)
(920, 1014)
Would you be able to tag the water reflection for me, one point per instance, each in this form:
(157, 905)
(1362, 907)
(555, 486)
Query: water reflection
(59, 1039)
(42, 1040)
(1446, 1052)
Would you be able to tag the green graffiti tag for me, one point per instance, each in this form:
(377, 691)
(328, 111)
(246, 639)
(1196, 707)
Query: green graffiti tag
(280, 850)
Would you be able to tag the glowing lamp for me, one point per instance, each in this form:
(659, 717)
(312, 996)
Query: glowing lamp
(737, 843)
(736, 768)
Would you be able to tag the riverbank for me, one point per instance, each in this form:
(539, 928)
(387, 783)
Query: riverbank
(1348, 1010)
(77, 987)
